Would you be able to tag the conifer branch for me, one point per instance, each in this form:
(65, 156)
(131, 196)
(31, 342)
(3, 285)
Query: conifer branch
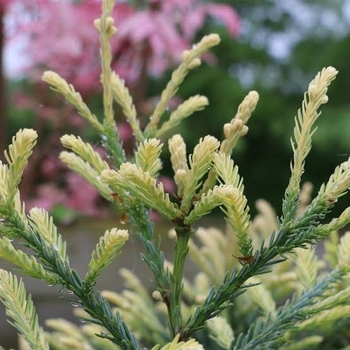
(20, 308)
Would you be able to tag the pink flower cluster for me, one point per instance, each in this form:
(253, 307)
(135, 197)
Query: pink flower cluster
(61, 36)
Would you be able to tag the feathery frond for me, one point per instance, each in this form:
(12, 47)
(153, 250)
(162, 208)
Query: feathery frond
(60, 85)
(42, 223)
(147, 156)
(122, 96)
(27, 264)
(20, 308)
(107, 249)
(200, 162)
(85, 170)
(85, 151)
(131, 179)
(17, 158)
(193, 104)
(190, 60)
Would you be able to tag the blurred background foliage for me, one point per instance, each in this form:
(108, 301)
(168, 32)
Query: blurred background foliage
(280, 48)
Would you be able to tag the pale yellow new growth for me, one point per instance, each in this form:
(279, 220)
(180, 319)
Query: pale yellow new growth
(190, 60)
(137, 308)
(176, 345)
(311, 342)
(122, 96)
(237, 215)
(17, 158)
(265, 222)
(226, 171)
(344, 252)
(200, 162)
(335, 224)
(338, 183)
(106, 29)
(130, 178)
(61, 86)
(178, 158)
(85, 151)
(304, 197)
(27, 263)
(85, 170)
(20, 308)
(233, 131)
(213, 257)
(321, 319)
(185, 109)
(337, 298)
(42, 223)
(237, 127)
(106, 250)
(70, 330)
(220, 330)
(262, 297)
(4, 176)
(177, 149)
(207, 202)
(306, 267)
(147, 156)
(304, 122)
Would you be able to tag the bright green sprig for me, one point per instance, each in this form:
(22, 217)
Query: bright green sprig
(27, 264)
(303, 131)
(130, 178)
(107, 249)
(184, 110)
(42, 222)
(122, 96)
(85, 170)
(147, 156)
(85, 151)
(20, 308)
(190, 60)
(17, 158)
(200, 162)
(61, 86)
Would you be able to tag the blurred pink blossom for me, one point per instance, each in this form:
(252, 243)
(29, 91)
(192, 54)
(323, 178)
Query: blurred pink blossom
(61, 37)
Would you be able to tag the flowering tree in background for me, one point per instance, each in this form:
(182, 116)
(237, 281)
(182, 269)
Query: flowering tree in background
(151, 37)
